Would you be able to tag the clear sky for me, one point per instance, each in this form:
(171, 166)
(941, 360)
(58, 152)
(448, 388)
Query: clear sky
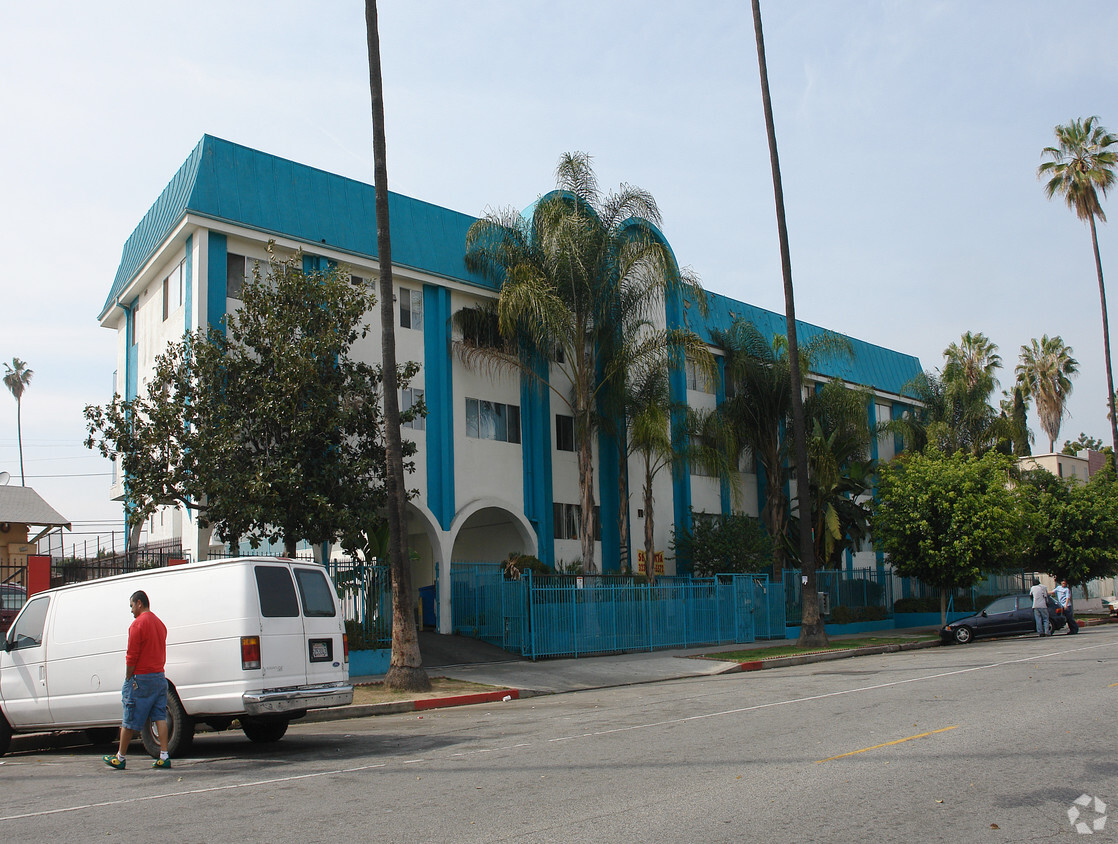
(909, 135)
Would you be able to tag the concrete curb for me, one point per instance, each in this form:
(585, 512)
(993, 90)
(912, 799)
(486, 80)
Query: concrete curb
(826, 656)
(365, 710)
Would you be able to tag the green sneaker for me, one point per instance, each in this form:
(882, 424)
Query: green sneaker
(161, 763)
(113, 761)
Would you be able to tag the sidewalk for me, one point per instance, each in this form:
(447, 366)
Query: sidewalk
(520, 678)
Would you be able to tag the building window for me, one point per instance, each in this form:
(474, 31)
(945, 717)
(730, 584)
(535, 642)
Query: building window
(568, 517)
(234, 275)
(490, 420)
(696, 378)
(411, 309)
(409, 398)
(564, 433)
(172, 289)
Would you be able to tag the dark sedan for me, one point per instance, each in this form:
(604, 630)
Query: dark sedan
(1008, 616)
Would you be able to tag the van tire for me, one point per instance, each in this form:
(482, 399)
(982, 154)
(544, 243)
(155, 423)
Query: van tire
(264, 731)
(5, 735)
(181, 727)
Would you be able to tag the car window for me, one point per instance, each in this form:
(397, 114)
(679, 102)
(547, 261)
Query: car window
(1002, 605)
(27, 632)
(277, 592)
(317, 600)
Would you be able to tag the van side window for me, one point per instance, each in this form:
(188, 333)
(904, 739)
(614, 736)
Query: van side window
(27, 632)
(277, 592)
(317, 600)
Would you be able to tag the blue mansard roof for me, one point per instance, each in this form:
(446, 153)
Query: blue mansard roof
(228, 182)
(232, 183)
(872, 365)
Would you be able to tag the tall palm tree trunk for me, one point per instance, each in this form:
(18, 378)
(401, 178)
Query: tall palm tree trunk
(1105, 343)
(19, 433)
(812, 632)
(406, 670)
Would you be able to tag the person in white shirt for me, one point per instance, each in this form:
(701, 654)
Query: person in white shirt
(1039, 594)
(1063, 598)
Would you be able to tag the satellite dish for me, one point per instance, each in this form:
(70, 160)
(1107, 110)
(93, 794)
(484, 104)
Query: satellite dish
(4, 478)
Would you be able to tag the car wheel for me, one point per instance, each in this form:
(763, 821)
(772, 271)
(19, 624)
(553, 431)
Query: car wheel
(264, 731)
(963, 635)
(179, 724)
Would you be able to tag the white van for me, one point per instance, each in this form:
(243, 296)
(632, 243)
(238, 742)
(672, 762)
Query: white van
(257, 639)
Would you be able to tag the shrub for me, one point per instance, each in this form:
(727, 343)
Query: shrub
(516, 564)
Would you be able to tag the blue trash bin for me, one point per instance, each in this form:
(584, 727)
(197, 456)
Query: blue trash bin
(427, 606)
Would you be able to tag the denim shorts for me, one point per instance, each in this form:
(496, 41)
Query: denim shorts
(145, 699)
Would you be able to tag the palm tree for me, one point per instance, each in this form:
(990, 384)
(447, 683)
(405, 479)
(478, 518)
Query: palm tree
(971, 363)
(811, 630)
(1081, 166)
(406, 669)
(1044, 374)
(841, 468)
(758, 412)
(950, 418)
(581, 280)
(16, 379)
(648, 415)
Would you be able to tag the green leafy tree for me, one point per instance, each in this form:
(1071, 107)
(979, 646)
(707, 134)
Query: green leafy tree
(950, 417)
(1082, 443)
(16, 378)
(1044, 375)
(1080, 167)
(946, 519)
(1075, 526)
(723, 544)
(269, 429)
(581, 282)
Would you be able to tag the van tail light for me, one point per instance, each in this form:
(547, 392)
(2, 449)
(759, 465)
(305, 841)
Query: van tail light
(250, 652)
(345, 646)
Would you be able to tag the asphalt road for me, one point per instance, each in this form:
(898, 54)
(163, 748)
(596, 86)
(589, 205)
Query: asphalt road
(988, 742)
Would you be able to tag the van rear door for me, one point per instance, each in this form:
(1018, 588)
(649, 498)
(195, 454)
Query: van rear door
(282, 660)
(322, 625)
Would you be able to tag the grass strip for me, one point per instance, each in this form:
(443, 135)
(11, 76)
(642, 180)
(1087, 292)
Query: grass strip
(772, 651)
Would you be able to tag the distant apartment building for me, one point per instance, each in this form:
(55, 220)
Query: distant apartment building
(495, 467)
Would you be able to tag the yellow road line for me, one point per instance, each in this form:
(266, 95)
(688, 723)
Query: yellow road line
(888, 744)
(1112, 685)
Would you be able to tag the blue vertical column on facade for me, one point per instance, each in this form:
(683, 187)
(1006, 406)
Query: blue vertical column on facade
(677, 388)
(216, 278)
(874, 454)
(438, 392)
(720, 399)
(535, 447)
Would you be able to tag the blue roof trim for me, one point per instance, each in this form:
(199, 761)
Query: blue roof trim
(872, 365)
(230, 182)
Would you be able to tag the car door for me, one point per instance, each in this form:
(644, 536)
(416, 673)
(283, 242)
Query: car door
(23, 667)
(1023, 619)
(998, 616)
(282, 662)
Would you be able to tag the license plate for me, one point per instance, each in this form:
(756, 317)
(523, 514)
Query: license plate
(321, 650)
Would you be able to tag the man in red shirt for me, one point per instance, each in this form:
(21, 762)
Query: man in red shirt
(145, 685)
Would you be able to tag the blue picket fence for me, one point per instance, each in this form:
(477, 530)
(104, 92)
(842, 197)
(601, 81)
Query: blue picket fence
(568, 615)
(365, 592)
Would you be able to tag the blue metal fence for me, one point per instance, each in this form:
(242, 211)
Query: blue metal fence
(566, 615)
(365, 592)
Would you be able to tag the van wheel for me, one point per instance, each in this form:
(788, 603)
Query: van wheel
(103, 735)
(264, 731)
(5, 735)
(180, 725)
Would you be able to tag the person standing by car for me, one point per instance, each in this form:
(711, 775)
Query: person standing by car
(145, 685)
(1063, 598)
(1039, 594)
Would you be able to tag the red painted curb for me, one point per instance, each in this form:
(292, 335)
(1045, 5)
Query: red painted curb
(463, 700)
(751, 666)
